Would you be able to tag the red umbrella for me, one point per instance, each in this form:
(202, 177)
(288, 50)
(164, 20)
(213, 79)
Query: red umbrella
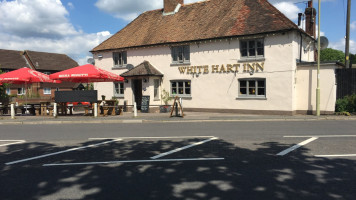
(86, 74)
(25, 75)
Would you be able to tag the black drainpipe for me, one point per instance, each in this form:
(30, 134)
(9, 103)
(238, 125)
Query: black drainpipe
(301, 47)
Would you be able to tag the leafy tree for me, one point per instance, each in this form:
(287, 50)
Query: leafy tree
(353, 58)
(3, 95)
(332, 55)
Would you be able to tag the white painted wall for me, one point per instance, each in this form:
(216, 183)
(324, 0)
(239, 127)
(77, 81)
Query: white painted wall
(220, 90)
(306, 88)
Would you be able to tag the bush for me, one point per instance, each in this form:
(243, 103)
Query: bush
(346, 104)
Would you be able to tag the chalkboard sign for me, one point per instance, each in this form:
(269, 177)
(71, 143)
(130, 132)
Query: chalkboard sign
(145, 104)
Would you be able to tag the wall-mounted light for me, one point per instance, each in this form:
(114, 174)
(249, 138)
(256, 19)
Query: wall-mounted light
(145, 80)
(252, 72)
(126, 81)
(100, 56)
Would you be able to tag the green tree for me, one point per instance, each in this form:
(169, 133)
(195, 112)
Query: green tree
(332, 55)
(353, 58)
(3, 95)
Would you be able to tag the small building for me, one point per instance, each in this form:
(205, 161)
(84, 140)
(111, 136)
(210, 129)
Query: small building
(218, 56)
(47, 63)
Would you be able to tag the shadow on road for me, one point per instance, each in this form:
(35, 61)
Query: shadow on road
(244, 174)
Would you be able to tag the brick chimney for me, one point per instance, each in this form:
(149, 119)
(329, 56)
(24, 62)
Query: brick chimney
(310, 19)
(171, 5)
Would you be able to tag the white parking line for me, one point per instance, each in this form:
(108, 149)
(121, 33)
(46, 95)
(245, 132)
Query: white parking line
(60, 152)
(183, 148)
(134, 161)
(12, 142)
(320, 136)
(285, 152)
(172, 137)
(340, 155)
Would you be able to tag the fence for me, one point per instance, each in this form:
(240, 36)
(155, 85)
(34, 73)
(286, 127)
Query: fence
(346, 82)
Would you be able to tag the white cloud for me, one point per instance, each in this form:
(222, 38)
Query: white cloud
(70, 5)
(353, 26)
(340, 45)
(289, 9)
(35, 18)
(130, 9)
(43, 25)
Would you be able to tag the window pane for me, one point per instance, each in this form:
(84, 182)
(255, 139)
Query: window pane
(243, 83)
(174, 90)
(174, 84)
(180, 54)
(260, 51)
(174, 54)
(124, 56)
(243, 91)
(187, 84)
(251, 52)
(252, 84)
(115, 57)
(120, 58)
(252, 91)
(180, 84)
(259, 43)
(180, 91)
(244, 45)
(186, 53)
(261, 91)
(261, 83)
(187, 90)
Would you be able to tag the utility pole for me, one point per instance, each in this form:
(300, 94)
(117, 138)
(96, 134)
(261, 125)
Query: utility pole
(347, 46)
(318, 71)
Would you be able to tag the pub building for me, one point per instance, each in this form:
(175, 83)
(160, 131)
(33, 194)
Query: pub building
(238, 56)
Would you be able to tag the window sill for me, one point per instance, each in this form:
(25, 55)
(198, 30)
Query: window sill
(180, 64)
(119, 96)
(156, 99)
(251, 98)
(252, 59)
(119, 67)
(183, 97)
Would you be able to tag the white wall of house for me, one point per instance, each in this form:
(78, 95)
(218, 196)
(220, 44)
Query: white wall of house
(221, 90)
(306, 88)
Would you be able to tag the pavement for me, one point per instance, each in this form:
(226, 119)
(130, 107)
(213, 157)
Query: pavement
(79, 118)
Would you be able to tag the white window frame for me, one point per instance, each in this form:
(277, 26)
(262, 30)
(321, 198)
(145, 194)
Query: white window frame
(21, 91)
(120, 90)
(175, 89)
(119, 59)
(180, 54)
(8, 91)
(156, 87)
(256, 88)
(255, 48)
(47, 91)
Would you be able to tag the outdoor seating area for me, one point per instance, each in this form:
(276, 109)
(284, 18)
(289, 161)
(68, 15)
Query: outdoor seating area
(64, 102)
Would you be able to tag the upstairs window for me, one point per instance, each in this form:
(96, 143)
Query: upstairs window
(181, 54)
(156, 89)
(8, 91)
(252, 48)
(120, 59)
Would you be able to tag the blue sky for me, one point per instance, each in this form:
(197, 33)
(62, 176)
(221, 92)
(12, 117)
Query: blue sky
(74, 27)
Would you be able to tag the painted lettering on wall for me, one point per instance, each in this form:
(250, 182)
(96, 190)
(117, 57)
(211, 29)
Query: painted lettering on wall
(229, 68)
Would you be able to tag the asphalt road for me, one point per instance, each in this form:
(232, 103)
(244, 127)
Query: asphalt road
(217, 161)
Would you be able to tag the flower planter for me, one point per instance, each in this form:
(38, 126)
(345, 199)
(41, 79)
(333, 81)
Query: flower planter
(165, 109)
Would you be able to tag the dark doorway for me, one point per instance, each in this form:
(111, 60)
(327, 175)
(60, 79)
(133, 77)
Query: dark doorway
(137, 91)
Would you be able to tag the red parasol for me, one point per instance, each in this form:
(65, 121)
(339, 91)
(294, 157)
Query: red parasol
(86, 74)
(25, 75)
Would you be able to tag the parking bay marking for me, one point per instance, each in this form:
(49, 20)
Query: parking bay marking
(340, 155)
(183, 148)
(60, 152)
(12, 142)
(285, 152)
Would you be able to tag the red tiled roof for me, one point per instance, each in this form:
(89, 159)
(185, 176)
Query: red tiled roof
(200, 21)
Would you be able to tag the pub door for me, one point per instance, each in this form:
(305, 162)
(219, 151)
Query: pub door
(137, 92)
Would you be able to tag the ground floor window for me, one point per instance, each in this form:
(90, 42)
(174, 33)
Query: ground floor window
(252, 88)
(156, 89)
(8, 91)
(119, 89)
(21, 91)
(46, 90)
(181, 88)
